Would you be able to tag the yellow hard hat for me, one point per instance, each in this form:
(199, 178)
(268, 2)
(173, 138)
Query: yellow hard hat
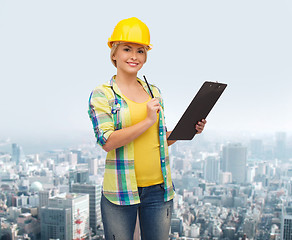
(131, 30)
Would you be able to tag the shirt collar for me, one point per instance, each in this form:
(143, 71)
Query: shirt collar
(112, 83)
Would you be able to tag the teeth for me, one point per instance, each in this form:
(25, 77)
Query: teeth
(133, 64)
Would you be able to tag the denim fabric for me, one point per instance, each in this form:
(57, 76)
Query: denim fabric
(154, 215)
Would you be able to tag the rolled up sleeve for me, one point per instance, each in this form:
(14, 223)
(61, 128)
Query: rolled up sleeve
(100, 116)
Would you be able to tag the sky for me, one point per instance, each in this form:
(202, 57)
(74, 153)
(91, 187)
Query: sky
(54, 53)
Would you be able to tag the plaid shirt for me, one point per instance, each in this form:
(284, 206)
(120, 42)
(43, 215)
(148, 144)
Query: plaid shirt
(109, 111)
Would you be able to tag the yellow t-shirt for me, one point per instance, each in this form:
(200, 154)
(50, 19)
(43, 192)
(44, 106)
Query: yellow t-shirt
(146, 147)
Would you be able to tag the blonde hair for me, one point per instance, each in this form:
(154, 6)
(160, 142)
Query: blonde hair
(115, 47)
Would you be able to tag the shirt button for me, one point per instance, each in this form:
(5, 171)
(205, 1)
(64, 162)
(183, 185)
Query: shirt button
(162, 160)
(161, 146)
(160, 133)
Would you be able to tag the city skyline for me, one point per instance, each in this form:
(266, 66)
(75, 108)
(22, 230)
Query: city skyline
(214, 198)
(54, 54)
(28, 146)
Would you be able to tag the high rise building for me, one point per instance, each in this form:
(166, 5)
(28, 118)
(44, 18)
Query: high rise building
(250, 173)
(44, 196)
(289, 187)
(280, 145)
(72, 158)
(234, 161)
(229, 232)
(286, 224)
(212, 168)
(78, 176)
(249, 227)
(79, 205)
(56, 223)
(262, 168)
(225, 177)
(79, 155)
(16, 151)
(94, 192)
(176, 226)
(256, 148)
(92, 166)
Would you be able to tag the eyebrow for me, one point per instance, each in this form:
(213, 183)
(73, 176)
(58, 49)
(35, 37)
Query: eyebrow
(131, 47)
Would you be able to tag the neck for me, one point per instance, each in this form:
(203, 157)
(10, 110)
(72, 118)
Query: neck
(126, 78)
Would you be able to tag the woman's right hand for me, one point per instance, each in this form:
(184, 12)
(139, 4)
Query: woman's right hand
(153, 107)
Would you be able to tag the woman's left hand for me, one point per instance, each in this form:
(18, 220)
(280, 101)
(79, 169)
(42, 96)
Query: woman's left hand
(200, 126)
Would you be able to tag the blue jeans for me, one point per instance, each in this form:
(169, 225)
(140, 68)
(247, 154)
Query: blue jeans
(154, 216)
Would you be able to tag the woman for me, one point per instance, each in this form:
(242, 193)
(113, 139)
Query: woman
(130, 127)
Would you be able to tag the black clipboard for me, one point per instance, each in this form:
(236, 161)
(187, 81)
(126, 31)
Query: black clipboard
(198, 109)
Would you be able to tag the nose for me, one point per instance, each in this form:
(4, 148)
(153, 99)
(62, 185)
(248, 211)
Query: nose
(134, 56)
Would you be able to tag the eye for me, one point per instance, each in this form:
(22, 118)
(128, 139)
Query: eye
(126, 49)
(140, 51)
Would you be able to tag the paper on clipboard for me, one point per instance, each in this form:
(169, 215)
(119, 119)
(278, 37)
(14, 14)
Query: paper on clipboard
(198, 109)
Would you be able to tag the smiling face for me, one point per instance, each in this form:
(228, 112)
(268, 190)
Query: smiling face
(129, 57)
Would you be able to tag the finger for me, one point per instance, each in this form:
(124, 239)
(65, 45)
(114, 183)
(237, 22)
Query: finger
(200, 124)
(156, 108)
(157, 102)
(199, 128)
(154, 102)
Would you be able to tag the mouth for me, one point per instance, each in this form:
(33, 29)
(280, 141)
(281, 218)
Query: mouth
(132, 64)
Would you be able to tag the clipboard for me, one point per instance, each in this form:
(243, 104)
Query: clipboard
(198, 109)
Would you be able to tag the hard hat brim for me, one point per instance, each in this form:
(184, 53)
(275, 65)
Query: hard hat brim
(110, 44)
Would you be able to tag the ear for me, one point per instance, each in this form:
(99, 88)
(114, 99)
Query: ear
(114, 57)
